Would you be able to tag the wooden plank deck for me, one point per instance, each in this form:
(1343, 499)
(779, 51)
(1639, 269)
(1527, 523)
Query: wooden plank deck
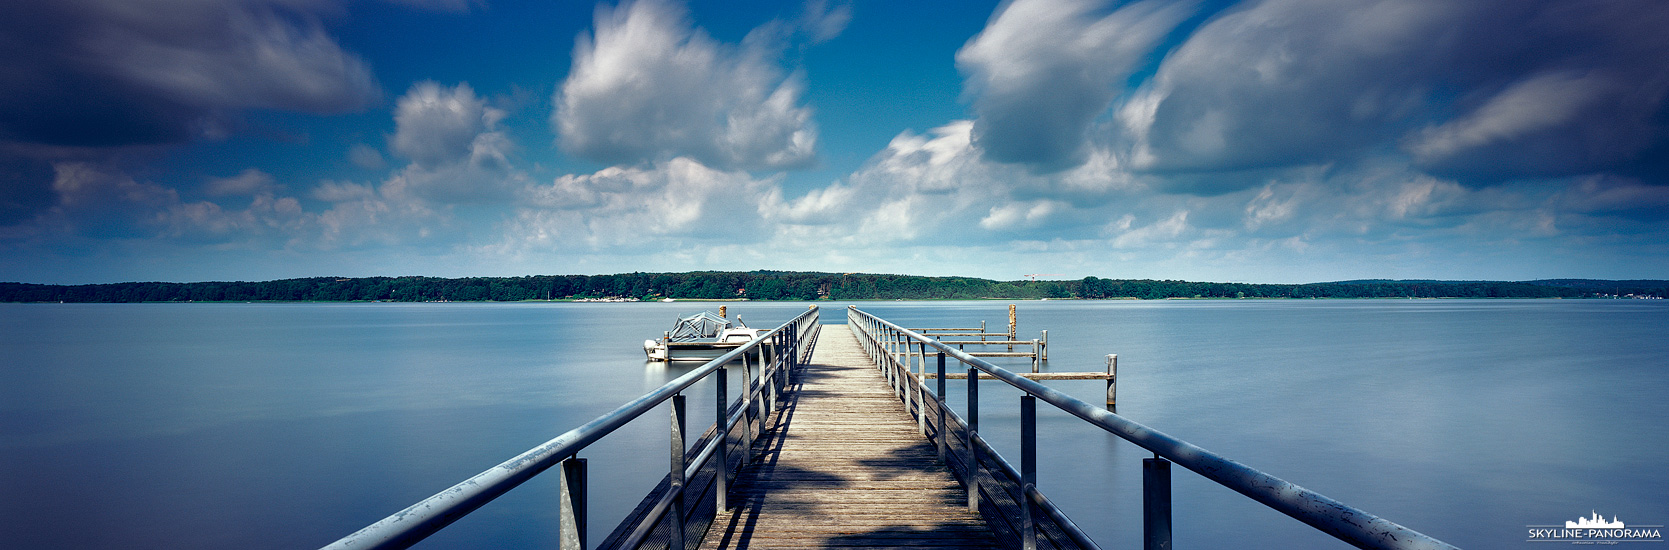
(844, 466)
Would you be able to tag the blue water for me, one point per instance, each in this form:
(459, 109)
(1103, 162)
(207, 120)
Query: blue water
(290, 425)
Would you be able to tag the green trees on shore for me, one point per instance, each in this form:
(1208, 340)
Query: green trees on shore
(780, 285)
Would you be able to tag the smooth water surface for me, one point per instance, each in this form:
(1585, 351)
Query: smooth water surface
(290, 425)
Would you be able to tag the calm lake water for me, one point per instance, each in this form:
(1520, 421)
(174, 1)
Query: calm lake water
(290, 425)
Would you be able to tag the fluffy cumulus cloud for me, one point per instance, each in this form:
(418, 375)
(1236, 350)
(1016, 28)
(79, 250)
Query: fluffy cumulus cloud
(104, 203)
(451, 136)
(647, 86)
(1043, 70)
(117, 72)
(1489, 90)
(84, 81)
(459, 169)
(670, 204)
(1271, 140)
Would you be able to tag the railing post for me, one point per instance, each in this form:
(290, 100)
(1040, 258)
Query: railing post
(974, 466)
(1156, 503)
(721, 482)
(676, 476)
(747, 411)
(1112, 381)
(941, 403)
(571, 526)
(921, 391)
(767, 380)
(892, 362)
(1028, 470)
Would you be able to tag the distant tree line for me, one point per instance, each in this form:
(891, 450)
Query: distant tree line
(779, 285)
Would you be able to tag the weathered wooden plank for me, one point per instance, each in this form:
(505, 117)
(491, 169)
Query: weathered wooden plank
(845, 466)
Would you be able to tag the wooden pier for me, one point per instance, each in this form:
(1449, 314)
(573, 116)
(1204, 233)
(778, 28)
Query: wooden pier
(843, 465)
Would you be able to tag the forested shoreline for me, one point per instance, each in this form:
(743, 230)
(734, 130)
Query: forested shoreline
(779, 285)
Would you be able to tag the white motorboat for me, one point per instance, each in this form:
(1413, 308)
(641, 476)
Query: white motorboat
(700, 337)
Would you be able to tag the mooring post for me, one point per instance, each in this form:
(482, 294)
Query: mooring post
(974, 466)
(1045, 350)
(721, 482)
(572, 523)
(1012, 323)
(1156, 503)
(1028, 470)
(676, 476)
(1112, 380)
(1035, 359)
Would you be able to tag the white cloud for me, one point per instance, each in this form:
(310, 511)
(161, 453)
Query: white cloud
(1043, 70)
(646, 86)
(435, 125)
(458, 153)
(1469, 89)
(668, 205)
(118, 72)
(366, 156)
(102, 202)
(824, 22)
(248, 182)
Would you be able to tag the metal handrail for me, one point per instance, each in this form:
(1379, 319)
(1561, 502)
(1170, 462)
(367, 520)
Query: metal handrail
(411, 525)
(1343, 522)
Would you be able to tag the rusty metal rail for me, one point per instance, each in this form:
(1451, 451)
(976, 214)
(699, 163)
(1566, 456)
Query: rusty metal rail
(1026, 517)
(672, 514)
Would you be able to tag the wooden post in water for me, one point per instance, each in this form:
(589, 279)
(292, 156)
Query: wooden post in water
(1112, 380)
(1012, 323)
(721, 311)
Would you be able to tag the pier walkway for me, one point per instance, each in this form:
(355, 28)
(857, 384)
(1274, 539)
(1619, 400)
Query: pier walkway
(843, 465)
(854, 450)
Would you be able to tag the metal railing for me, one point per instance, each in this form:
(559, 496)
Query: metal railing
(1019, 513)
(671, 514)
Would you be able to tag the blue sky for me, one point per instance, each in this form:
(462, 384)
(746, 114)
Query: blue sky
(1260, 141)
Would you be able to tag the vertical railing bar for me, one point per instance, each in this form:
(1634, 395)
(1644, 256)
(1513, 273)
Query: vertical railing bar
(676, 477)
(1156, 503)
(721, 481)
(1028, 470)
(920, 383)
(571, 525)
(974, 466)
(747, 411)
(941, 395)
(767, 381)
